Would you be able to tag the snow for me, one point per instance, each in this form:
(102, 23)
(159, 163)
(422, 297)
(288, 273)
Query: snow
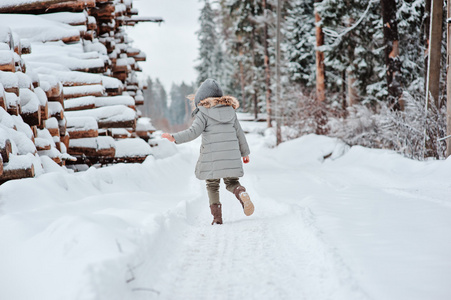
(132, 147)
(6, 57)
(101, 142)
(81, 123)
(8, 79)
(115, 113)
(83, 90)
(69, 78)
(115, 100)
(66, 17)
(29, 102)
(55, 108)
(37, 29)
(360, 224)
(79, 102)
(111, 82)
(51, 123)
(12, 100)
(144, 124)
(59, 53)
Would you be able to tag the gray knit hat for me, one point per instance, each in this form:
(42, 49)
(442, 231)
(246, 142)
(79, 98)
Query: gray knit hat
(209, 88)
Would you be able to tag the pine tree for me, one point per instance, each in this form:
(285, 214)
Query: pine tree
(210, 50)
(353, 48)
(299, 42)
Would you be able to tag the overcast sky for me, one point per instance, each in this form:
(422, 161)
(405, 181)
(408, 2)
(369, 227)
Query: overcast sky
(171, 47)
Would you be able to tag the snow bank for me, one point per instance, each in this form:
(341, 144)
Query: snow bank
(330, 223)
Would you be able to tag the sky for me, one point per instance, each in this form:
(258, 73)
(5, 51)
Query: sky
(172, 47)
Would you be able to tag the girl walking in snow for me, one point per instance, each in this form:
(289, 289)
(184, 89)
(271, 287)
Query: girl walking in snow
(223, 145)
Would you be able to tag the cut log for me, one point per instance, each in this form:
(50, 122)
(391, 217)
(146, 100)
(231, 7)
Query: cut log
(65, 140)
(44, 111)
(42, 144)
(78, 134)
(71, 6)
(5, 150)
(83, 91)
(99, 146)
(7, 61)
(11, 174)
(62, 126)
(103, 11)
(56, 110)
(2, 97)
(12, 104)
(33, 7)
(135, 19)
(117, 124)
(32, 118)
(81, 103)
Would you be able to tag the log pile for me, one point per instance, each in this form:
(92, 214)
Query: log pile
(68, 85)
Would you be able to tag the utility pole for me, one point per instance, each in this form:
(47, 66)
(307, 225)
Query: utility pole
(278, 87)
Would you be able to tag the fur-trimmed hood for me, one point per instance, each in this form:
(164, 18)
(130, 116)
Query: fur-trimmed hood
(224, 100)
(205, 105)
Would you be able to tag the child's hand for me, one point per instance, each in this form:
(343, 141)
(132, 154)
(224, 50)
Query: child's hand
(246, 159)
(168, 136)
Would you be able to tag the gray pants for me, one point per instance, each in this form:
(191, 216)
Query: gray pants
(213, 188)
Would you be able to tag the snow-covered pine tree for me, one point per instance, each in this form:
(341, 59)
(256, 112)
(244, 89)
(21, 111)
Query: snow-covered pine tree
(299, 42)
(412, 43)
(180, 110)
(353, 48)
(244, 43)
(155, 105)
(210, 50)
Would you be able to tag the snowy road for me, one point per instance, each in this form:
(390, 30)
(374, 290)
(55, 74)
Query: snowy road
(363, 224)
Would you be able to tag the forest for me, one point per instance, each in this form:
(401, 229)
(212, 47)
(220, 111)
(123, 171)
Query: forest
(356, 70)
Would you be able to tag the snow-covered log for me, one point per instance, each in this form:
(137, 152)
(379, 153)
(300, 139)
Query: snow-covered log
(82, 127)
(19, 166)
(83, 91)
(28, 6)
(5, 148)
(99, 146)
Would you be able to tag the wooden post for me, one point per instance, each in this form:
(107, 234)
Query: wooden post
(448, 81)
(435, 41)
(320, 70)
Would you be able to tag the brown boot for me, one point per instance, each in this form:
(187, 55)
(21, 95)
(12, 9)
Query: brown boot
(217, 213)
(245, 200)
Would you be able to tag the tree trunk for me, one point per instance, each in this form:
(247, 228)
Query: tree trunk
(242, 79)
(278, 87)
(427, 25)
(392, 61)
(435, 40)
(433, 71)
(448, 82)
(267, 71)
(320, 70)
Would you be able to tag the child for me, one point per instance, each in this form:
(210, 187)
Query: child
(223, 144)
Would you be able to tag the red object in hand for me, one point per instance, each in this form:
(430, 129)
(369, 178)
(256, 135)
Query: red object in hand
(246, 159)
(168, 136)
